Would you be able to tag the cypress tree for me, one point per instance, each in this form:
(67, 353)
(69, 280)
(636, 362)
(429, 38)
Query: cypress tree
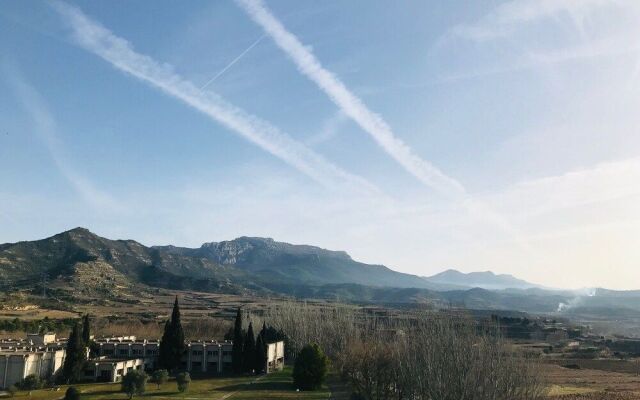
(75, 356)
(260, 361)
(249, 352)
(86, 330)
(164, 359)
(238, 344)
(172, 343)
(263, 331)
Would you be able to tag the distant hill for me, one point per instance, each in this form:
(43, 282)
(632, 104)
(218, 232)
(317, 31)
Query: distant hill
(484, 280)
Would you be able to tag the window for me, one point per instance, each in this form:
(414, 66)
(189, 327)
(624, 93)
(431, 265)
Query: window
(123, 352)
(196, 352)
(136, 352)
(107, 352)
(226, 353)
(212, 353)
(196, 364)
(129, 369)
(120, 371)
(151, 352)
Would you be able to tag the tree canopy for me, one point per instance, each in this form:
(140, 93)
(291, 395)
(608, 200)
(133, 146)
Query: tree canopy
(134, 382)
(310, 368)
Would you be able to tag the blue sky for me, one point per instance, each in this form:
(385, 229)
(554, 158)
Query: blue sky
(474, 135)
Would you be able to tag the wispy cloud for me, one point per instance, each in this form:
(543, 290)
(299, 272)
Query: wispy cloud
(97, 39)
(539, 34)
(44, 125)
(330, 128)
(509, 16)
(601, 183)
(350, 104)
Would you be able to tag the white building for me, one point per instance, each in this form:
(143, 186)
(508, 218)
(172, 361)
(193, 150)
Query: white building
(211, 357)
(103, 369)
(43, 355)
(17, 364)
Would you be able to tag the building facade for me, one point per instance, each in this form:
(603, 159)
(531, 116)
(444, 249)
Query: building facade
(17, 364)
(206, 357)
(43, 356)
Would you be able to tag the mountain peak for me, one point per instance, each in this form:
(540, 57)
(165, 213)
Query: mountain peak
(79, 230)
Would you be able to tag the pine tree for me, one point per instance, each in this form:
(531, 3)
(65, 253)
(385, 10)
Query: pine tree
(86, 330)
(172, 343)
(75, 356)
(249, 351)
(238, 344)
(260, 361)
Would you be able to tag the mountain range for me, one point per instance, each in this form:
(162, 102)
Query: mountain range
(77, 265)
(485, 280)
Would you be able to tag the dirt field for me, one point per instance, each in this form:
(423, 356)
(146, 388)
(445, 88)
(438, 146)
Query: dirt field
(578, 384)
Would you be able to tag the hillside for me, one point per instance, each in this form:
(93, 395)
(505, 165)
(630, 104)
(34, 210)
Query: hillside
(81, 262)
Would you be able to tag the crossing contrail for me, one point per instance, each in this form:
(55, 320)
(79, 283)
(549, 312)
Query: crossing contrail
(350, 104)
(223, 70)
(372, 123)
(97, 39)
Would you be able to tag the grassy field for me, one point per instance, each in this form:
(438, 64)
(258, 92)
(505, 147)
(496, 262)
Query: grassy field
(273, 386)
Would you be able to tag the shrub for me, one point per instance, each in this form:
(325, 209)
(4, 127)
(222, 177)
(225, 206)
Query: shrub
(159, 377)
(183, 380)
(72, 393)
(134, 382)
(310, 368)
(12, 390)
(30, 382)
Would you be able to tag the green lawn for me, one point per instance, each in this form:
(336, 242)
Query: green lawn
(273, 386)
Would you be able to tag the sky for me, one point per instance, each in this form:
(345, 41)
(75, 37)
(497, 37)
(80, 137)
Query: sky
(481, 135)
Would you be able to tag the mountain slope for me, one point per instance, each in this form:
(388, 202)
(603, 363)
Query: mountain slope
(485, 280)
(79, 256)
(274, 261)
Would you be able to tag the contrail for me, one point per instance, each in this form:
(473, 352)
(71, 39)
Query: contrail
(350, 104)
(97, 39)
(210, 81)
(370, 122)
